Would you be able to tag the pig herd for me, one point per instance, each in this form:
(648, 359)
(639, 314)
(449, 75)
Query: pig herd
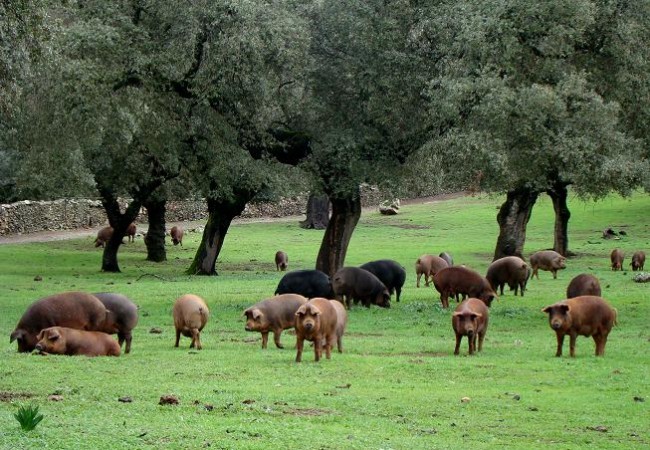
(316, 306)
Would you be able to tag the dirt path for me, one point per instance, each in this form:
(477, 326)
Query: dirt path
(60, 235)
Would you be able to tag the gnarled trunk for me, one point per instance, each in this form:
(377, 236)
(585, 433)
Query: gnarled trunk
(220, 215)
(345, 215)
(513, 218)
(120, 222)
(318, 212)
(155, 237)
(559, 195)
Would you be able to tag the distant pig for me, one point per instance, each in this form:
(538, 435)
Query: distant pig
(130, 232)
(341, 323)
(470, 319)
(273, 314)
(428, 265)
(316, 322)
(583, 284)
(308, 283)
(547, 260)
(616, 257)
(77, 310)
(461, 280)
(281, 260)
(510, 270)
(124, 314)
(190, 316)
(638, 260)
(586, 315)
(353, 283)
(68, 341)
(176, 234)
(103, 236)
(389, 272)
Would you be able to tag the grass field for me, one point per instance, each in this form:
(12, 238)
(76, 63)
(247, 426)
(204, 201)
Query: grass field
(398, 384)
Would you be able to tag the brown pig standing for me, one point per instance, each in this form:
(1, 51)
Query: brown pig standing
(103, 236)
(461, 280)
(583, 284)
(586, 315)
(341, 323)
(77, 310)
(616, 257)
(638, 261)
(470, 319)
(190, 316)
(281, 260)
(273, 314)
(428, 265)
(510, 270)
(547, 260)
(68, 341)
(130, 232)
(316, 322)
(177, 235)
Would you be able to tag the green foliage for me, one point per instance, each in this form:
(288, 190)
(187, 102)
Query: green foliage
(28, 417)
(396, 385)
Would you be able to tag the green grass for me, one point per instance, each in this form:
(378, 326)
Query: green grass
(397, 385)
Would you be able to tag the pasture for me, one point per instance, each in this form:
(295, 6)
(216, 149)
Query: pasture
(397, 385)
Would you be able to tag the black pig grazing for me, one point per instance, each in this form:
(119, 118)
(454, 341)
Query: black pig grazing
(308, 283)
(353, 283)
(389, 272)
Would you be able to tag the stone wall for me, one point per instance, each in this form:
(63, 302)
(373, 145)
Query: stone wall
(68, 214)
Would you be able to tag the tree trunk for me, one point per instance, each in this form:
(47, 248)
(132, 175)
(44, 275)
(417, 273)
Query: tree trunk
(559, 195)
(513, 218)
(318, 212)
(345, 215)
(220, 215)
(155, 237)
(120, 222)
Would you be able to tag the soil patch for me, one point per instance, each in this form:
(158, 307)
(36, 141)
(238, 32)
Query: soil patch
(306, 412)
(11, 396)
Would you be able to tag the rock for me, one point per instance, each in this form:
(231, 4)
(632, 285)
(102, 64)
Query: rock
(38, 278)
(465, 400)
(155, 330)
(55, 398)
(168, 400)
(125, 399)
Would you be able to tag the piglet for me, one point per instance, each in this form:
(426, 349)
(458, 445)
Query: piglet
(68, 341)
(470, 319)
(190, 316)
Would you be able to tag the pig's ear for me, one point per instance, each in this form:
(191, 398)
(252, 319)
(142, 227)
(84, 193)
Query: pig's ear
(53, 336)
(301, 311)
(313, 310)
(547, 310)
(256, 314)
(40, 336)
(457, 313)
(565, 308)
(476, 315)
(246, 312)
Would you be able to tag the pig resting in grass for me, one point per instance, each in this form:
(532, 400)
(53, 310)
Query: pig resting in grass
(316, 322)
(273, 314)
(547, 260)
(190, 316)
(470, 319)
(428, 265)
(583, 284)
(77, 310)
(123, 317)
(68, 341)
(586, 315)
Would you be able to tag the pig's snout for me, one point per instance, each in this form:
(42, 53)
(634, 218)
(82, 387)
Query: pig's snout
(39, 347)
(470, 333)
(248, 328)
(556, 325)
(309, 326)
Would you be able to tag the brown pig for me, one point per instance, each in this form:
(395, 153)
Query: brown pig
(616, 257)
(68, 341)
(130, 232)
(177, 235)
(461, 280)
(354, 283)
(583, 284)
(316, 322)
(273, 314)
(547, 260)
(586, 315)
(428, 265)
(190, 316)
(341, 323)
(638, 260)
(123, 317)
(470, 319)
(281, 260)
(77, 310)
(511, 270)
(103, 236)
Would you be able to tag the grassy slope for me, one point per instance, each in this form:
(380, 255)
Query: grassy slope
(398, 384)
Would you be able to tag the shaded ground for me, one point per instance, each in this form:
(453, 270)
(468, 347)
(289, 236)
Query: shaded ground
(59, 235)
